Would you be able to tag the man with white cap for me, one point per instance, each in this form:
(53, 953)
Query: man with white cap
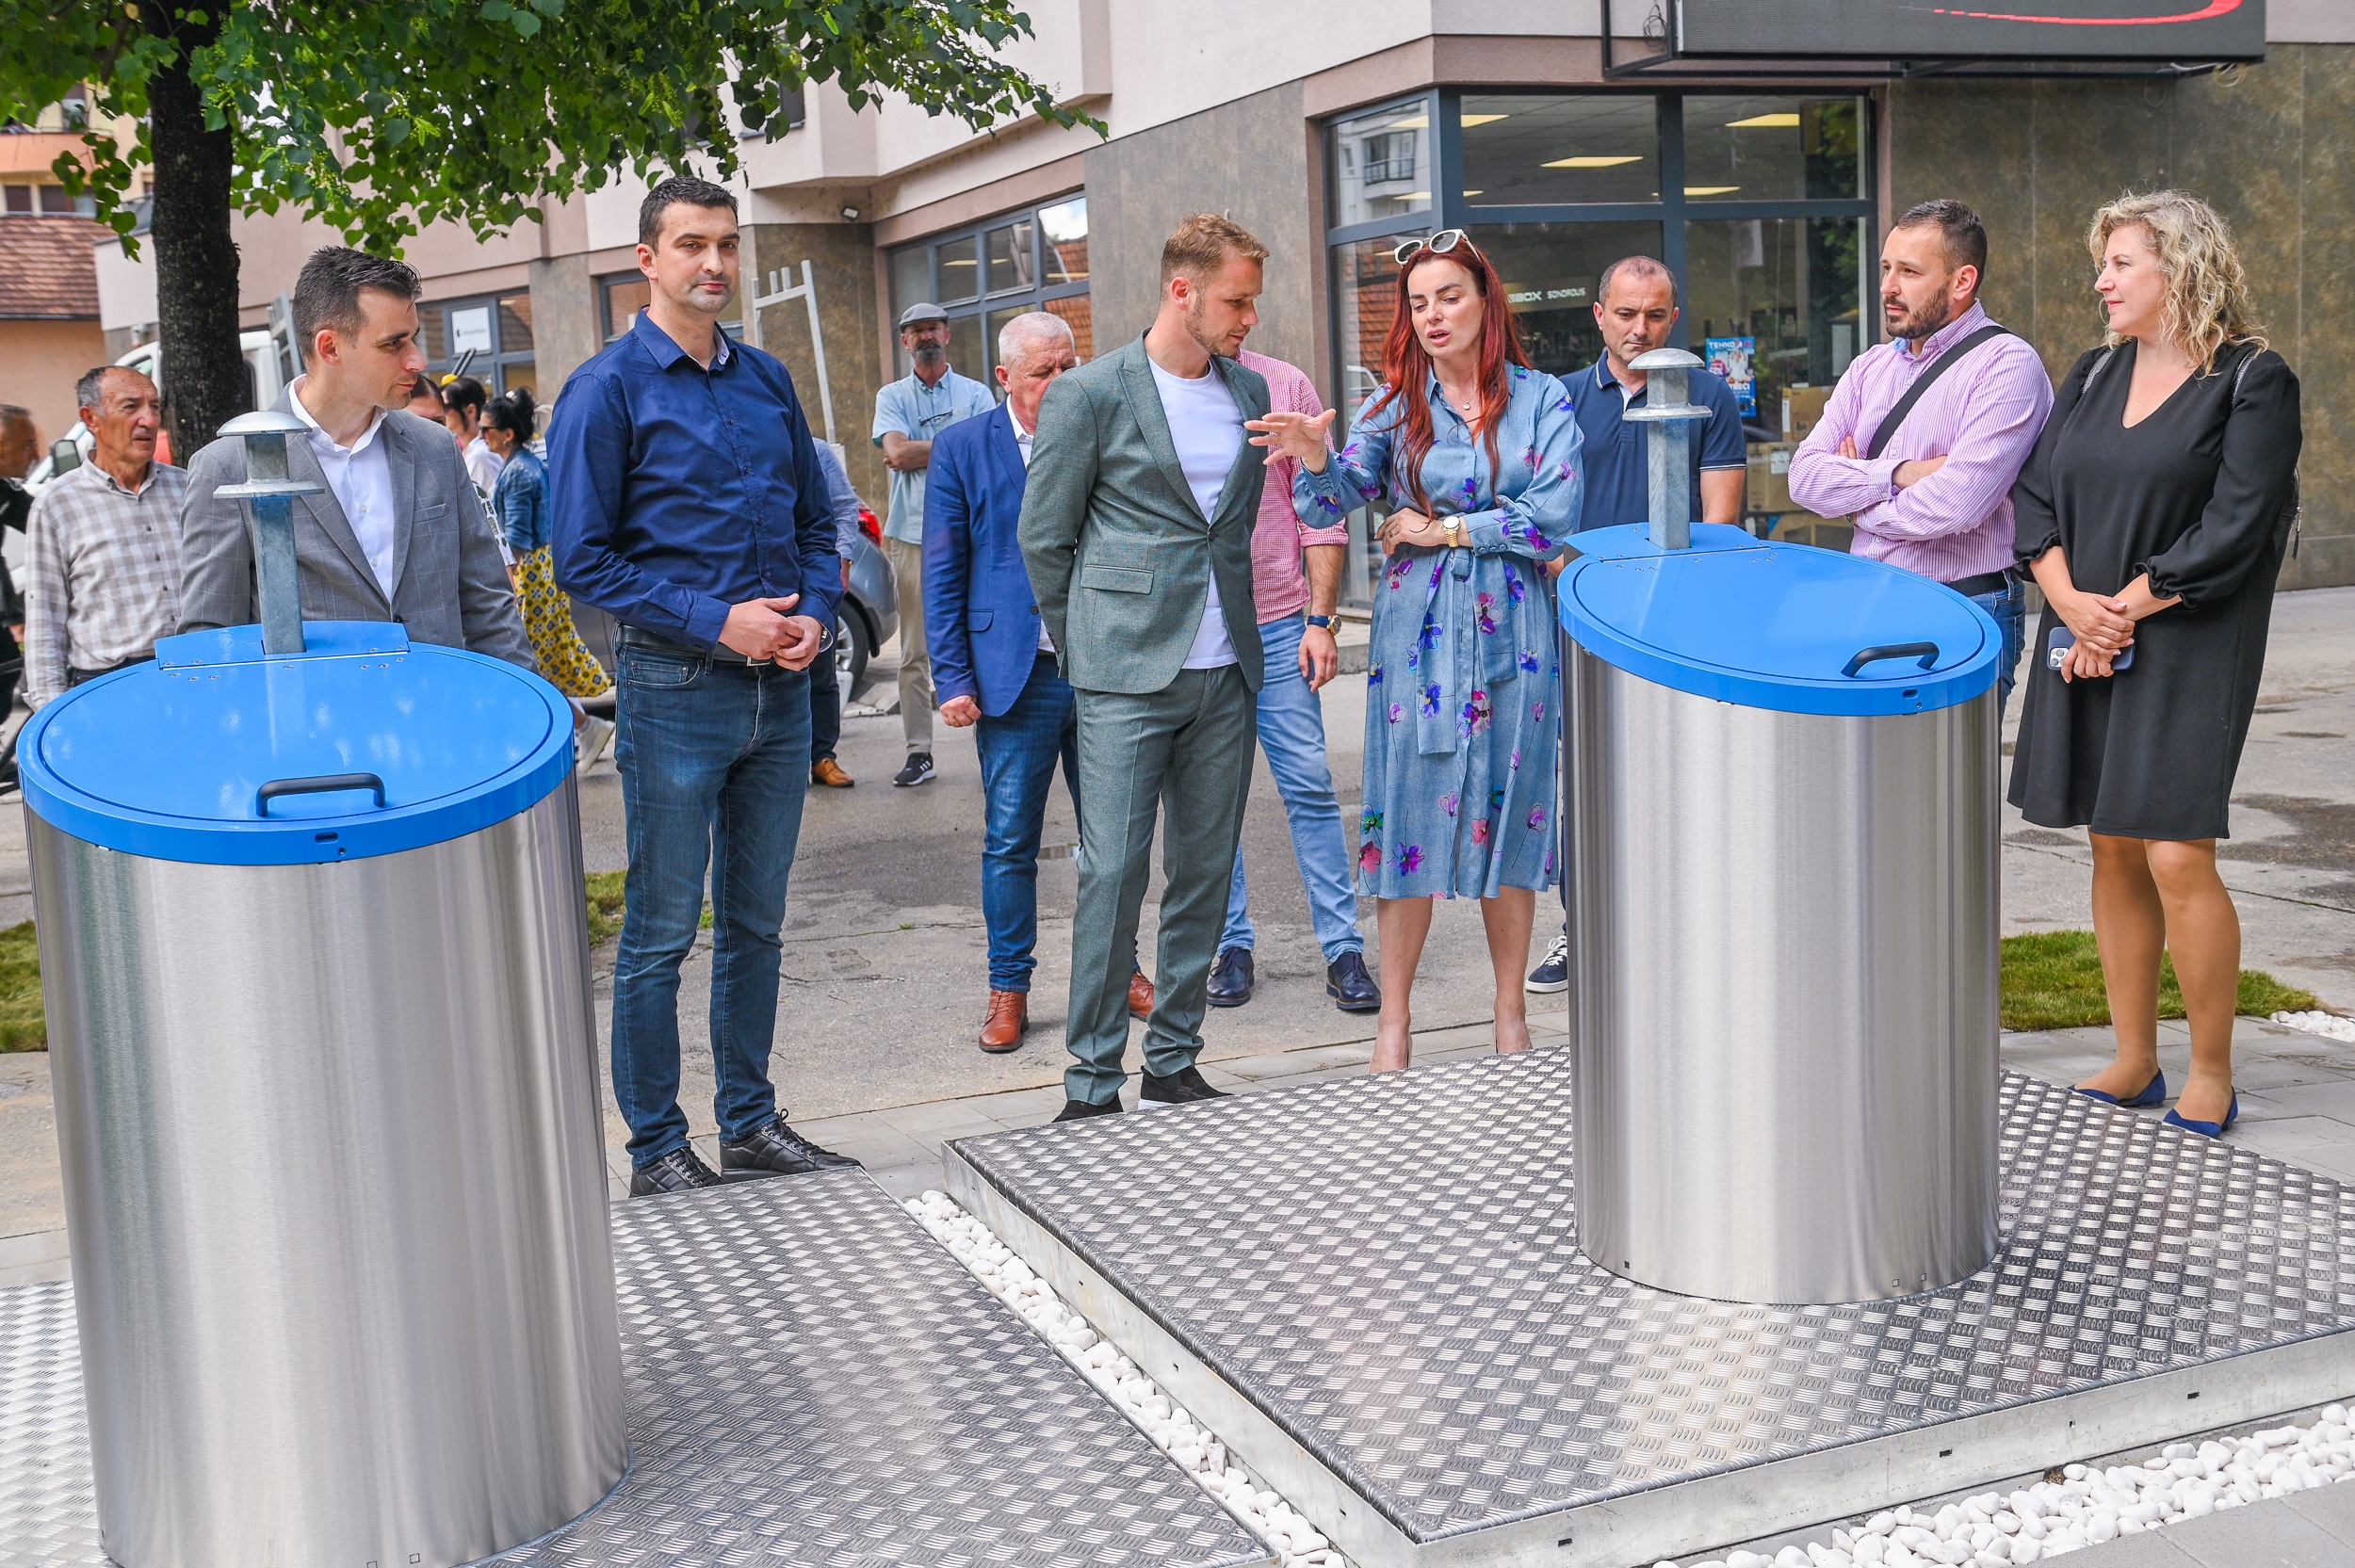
(909, 413)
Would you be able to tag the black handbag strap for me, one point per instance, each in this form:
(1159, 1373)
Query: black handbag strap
(1922, 383)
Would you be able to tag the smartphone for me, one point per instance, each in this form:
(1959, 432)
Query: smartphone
(2060, 640)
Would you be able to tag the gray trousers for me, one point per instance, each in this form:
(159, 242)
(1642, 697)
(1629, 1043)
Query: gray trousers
(1184, 753)
(915, 664)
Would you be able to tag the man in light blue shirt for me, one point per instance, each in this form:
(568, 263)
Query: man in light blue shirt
(908, 413)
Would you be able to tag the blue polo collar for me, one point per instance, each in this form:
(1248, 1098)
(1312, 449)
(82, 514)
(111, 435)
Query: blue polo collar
(665, 349)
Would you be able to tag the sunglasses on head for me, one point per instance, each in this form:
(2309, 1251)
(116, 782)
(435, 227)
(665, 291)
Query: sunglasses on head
(1439, 245)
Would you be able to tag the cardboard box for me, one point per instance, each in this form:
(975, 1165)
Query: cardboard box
(1769, 483)
(1802, 407)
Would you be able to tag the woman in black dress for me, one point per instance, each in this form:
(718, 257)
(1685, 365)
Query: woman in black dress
(2154, 513)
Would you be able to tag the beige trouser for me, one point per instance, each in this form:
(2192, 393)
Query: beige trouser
(915, 664)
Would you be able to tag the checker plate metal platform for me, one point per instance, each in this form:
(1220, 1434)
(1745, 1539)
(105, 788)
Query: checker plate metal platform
(1371, 1290)
(813, 1380)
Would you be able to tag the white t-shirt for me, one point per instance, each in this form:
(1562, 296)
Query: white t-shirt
(1206, 427)
(360, 476)
(1022, 444)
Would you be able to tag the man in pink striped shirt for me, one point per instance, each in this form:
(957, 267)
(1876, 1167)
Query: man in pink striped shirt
(1295, 584)
(1934, 494)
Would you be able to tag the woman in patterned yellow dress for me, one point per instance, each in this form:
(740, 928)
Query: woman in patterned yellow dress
(520, 507)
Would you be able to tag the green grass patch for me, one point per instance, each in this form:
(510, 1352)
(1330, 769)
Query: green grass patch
(2052, 980)
(604, 892)
(23, 1025)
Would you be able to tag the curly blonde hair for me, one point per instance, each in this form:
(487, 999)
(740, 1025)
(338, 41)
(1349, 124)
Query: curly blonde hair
(2207, 288)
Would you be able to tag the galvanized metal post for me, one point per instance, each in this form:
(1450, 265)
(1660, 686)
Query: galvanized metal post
(268, 497)
(1669, 457)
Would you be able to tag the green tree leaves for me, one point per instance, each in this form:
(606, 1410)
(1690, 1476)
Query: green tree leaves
(381, 116)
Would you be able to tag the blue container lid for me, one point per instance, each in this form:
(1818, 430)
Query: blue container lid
(361, 745)
(1787, 627)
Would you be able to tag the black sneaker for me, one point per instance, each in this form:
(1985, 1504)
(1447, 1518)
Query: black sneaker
(1080, 1110)
(777, 1150)
(1352, 989)
(1231, 978)
(1181, 1088)
(919, 770)
(1554, 974)
(677, 1172)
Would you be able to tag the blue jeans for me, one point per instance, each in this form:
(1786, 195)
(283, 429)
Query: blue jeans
(714, 759)
(1018, 750)
(2009, 606)
(825, 709)
(1291, 732)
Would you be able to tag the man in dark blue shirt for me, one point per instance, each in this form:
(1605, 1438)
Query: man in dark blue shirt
(687, 503)
(1635, 307)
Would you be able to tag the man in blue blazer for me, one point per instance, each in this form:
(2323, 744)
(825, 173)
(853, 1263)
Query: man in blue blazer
(993, 667)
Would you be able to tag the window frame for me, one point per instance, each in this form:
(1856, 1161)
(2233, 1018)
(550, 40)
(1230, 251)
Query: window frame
(976, 311)
(498, 358)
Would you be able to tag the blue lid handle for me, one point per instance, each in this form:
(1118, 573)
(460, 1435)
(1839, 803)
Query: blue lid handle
(321, 783)
(1928, 652)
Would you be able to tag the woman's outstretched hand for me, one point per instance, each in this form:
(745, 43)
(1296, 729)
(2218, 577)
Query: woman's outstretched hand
(1298, 436)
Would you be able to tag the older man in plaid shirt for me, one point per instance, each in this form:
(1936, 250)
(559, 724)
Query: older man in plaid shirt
(102, 580)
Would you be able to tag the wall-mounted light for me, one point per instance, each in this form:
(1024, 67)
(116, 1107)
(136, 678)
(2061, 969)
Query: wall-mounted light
(850, 215)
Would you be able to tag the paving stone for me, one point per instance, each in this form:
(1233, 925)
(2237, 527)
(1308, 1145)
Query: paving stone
(2330, 1507)
(2270, 1534)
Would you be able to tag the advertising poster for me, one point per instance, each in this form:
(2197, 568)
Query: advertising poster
(1731, 359)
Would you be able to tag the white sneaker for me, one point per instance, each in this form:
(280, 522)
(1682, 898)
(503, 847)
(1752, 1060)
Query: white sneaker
(1554, 974)
(590, 742)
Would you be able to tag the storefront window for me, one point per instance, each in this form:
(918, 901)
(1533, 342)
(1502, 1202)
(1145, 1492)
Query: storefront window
(1755, 149)
(1555, 187)
(985, 275)
(1549, 271)
(1380, 168)
(1785, 291)
(1520, 151)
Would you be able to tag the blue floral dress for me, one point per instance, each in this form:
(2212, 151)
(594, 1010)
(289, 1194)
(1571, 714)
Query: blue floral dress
(1463, 712)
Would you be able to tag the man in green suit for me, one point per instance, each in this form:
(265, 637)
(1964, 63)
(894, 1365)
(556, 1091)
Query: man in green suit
(1136, 530)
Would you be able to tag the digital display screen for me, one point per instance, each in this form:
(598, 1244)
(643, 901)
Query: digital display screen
(1974, 29)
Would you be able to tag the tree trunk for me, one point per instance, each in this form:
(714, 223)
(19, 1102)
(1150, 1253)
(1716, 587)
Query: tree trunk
(204, 376)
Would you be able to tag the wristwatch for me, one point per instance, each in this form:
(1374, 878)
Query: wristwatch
(1454, 531)
(1323, 620)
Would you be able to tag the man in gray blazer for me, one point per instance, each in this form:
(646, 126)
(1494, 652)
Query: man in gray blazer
(398, 533)
(1136, 532)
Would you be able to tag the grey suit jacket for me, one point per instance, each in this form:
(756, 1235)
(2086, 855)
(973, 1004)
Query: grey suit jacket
(1118, 552)
(449, 582)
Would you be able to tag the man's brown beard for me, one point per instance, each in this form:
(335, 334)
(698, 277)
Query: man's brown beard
(1909, 329)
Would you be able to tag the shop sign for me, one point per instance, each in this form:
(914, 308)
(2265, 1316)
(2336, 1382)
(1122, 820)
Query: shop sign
(1988, 29)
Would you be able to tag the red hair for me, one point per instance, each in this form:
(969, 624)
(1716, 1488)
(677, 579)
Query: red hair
(1407, 364)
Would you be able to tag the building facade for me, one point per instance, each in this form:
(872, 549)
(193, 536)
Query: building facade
(1332, 131)
(49, 316)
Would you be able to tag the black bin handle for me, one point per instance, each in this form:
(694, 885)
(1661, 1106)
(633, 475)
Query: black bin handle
(1927, 651)
(323, 783)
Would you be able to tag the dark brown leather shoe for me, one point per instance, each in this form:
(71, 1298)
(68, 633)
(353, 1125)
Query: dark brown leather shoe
(1140, 994)
(1009, 1016)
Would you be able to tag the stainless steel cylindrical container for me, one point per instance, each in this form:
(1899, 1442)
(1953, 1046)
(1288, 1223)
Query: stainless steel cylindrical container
(1781, 820)
(318, 1000)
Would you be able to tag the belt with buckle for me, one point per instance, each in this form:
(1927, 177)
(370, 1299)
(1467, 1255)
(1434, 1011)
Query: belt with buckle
(1986, 582)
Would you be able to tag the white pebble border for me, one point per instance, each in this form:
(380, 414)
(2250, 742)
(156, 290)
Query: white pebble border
(1294, 1541)
(1995, 1529)
(2087, 1507)
(2329, 1024)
